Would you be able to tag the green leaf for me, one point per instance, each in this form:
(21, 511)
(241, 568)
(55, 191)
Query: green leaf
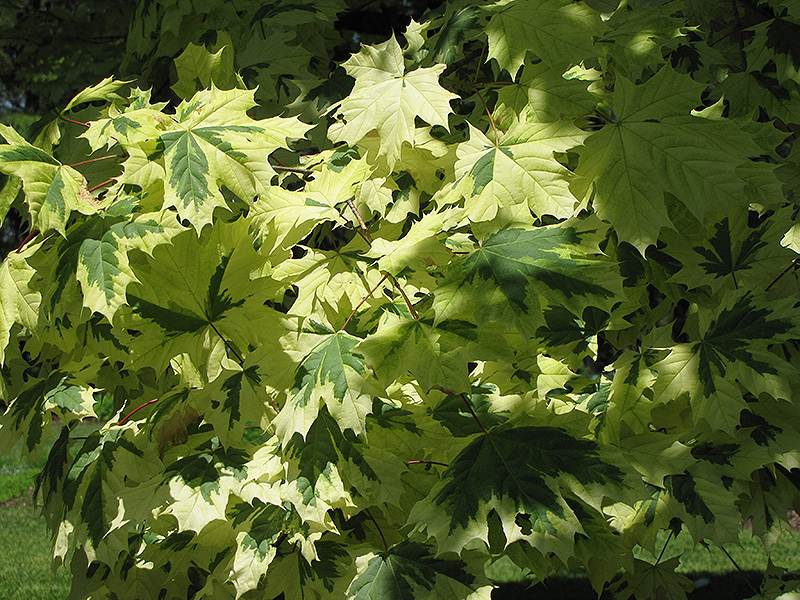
(52, 190)
(519, 473)
(409, 571)
(211, 143)
(519, 168)
(19, 303)
(655, 147)
(523, 269)
(543, 95)
(333, 376)
(559, 32)
(387, 98)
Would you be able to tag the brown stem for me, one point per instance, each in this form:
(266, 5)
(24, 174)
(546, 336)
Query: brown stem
(333, 239)
(737, 29)
(784, 272)
(602, 116)
(378, 527)
(91, 160)
(230, 348)
(472, 412)
(99, 185)
(738, 568)
(361, 222)
(63, 118)
(480, 62)
(292, 169)
(135, 410)
(486, 108)
(426, 462)
(364, 299)
(31, 234)
(666, 543)
(405, 298)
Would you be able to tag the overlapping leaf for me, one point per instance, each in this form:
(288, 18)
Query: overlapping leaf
(387, 98)
(331, 375)
(655, 147)
(559, 32)
(517, 472)
(52, 190)
(519, 167)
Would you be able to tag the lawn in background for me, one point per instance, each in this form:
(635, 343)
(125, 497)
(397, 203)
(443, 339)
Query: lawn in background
(25, 557)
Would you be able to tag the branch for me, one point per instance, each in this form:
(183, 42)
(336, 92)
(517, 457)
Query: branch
(378, 527)
(364, 299)
(361, 222)
(472, 412)
(135, 410)
(486, 108)
(426, 462)
(405, 298)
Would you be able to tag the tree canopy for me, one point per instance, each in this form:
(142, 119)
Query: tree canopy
(511, 286)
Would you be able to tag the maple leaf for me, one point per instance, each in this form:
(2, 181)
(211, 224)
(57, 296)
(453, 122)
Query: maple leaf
(543, 95)
(52, 190)
(199, 68)
(559, 32)
(211, 143)
(198, 301)
(519, 167)
(102, 266)
(386, 98)
(409, 571)
(653, 581)
(656, 147)
(331, 374)
(511, 269)
(735, 341)
(518, 473)
(19, 302)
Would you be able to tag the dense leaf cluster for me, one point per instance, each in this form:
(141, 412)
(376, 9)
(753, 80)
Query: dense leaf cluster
(517, 287)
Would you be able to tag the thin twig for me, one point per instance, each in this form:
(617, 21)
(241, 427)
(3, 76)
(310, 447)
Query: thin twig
(99, 185)
(333, 239)
(399, 288)
(738, 568)
(63, 118)
(784, 272)
(602, 116)
(91, 160)
(480, 62)
(135, 410)
(378, 527)
(426, 462)
(364, 299)
(31, 234)
(486, 108)
(737, 28)
(361, 222)
(472, 412)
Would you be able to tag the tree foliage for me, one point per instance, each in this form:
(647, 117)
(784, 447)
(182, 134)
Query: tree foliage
(515, 286)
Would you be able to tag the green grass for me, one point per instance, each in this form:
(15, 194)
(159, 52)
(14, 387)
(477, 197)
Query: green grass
(25, 557)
